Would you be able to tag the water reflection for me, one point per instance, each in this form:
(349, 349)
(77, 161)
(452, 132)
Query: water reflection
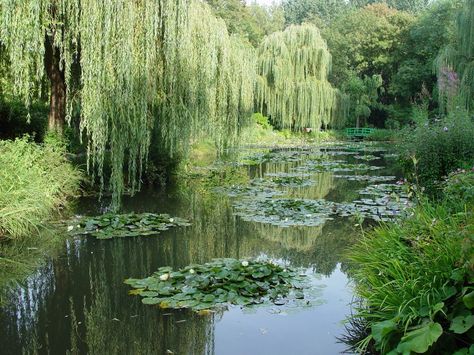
(78, 302)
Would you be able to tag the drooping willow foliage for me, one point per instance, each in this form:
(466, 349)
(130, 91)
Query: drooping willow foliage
(164, 63)
(208, 86)
(455, 65)
(292, 85)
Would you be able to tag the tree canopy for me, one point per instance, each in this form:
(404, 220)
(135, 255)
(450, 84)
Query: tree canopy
(292, 86)
(166, 63)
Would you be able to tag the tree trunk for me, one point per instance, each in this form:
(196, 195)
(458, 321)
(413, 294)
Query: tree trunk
(57, 108)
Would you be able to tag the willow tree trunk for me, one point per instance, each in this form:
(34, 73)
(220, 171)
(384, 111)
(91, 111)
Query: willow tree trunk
(57, 101)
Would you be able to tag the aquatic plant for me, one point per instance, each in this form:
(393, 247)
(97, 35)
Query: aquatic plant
(111, 225)
(367, 157)
(288, 212)
(369, 178)
(335, 166)
(285, 212)
(219, 283)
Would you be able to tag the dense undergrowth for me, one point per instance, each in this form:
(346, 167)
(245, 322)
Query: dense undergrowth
(433, 149)
(415, 278)
(35, 183)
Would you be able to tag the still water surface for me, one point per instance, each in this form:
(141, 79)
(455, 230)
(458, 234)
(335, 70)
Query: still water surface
(78, 303)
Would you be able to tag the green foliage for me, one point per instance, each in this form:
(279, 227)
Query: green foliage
(35, 182)
(415, 289)
(112, 225)
(365, 41)
(459, 187)
(458, 55)
(431, 32)
(261, 120)
(414, 6)
(17, 120)
(383, 135)
(300, 11)
(292, 86)
(252, 22)
(217, 284)
(166, 64)
(434, 149)
(363, 95)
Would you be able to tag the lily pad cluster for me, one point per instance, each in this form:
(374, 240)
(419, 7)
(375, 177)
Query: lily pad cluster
(286, 212)
(367, 178)
(219, 283)
(112, 225)
(335, 166)
(367, 157)
(384, 190)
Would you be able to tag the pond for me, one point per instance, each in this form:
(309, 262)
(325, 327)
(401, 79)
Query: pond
(78, 302)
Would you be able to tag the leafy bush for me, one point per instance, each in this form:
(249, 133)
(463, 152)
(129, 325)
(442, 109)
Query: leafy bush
(459, 187)
(15, 122)
(433, 150)
(416, 278)
(261, 120)
(382, 135)
(35, 180)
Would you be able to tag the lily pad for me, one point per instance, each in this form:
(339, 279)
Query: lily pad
(285, 212)
(219, 283)
(111, 225)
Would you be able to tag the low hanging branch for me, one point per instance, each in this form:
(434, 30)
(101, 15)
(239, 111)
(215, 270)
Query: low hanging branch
(292, 86)
(164, 63)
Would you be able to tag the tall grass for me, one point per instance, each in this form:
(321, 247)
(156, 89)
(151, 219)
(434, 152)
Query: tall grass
(35, 183)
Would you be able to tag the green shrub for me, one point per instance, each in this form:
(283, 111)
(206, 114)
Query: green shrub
(15, 122)
(382, 135)
(261, 120)
(416, 277)
(35, 181)
(432, 150)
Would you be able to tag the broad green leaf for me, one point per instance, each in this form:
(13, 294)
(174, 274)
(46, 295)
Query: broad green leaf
(151, 300)
(419, 340)
(469, 300)
(462, 324)
(382, 329)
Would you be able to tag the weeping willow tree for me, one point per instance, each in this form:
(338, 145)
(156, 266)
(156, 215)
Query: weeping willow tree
(208, 86)
(292, 86)
(455, 65)
(128, 66)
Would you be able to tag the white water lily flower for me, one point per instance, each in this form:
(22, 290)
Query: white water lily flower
(245, 263)
(191, 271)
(70, 228)
(171, 220)
(164, 277)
